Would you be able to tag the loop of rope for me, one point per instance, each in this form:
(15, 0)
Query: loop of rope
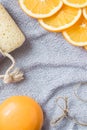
(79, 123)
(11, 75)
(65, 110)
(65, 114)
(76, 93)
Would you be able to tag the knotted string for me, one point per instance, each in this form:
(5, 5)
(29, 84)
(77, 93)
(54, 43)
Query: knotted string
(65, 114)
(65, 110)
(76, 93)
(11, 75)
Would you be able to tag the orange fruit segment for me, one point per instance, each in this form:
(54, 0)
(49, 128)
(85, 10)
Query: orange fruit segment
(64, 18)
(20, 113)
(85, 12)
(77, 34)
(40, 8)
(76, 3)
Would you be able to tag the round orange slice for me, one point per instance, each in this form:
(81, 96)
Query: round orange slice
(40, 8)
(64, 18)
(77, 34)
(85, 12)
(76, 3)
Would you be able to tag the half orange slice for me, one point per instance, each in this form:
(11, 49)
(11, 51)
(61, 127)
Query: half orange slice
(76, 3)
(63, 19)
(40, 8)
(77, 34)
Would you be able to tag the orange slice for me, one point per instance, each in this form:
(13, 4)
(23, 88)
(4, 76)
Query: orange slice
(77, 34)
(85, 12)
(76, 3)
(40, 8)
(64, 18)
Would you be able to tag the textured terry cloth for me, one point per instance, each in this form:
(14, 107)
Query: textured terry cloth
(52, 67)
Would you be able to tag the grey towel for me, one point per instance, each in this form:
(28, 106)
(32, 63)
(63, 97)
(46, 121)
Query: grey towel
(52, 67)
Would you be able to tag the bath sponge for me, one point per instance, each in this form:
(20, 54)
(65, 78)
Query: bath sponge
(11, 36)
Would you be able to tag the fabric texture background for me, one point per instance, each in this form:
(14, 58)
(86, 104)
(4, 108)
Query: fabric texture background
(52, 67)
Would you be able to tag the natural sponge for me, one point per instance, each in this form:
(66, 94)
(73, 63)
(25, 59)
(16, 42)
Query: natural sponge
(11, 36)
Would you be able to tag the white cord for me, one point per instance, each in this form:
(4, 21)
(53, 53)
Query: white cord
(11, 75)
